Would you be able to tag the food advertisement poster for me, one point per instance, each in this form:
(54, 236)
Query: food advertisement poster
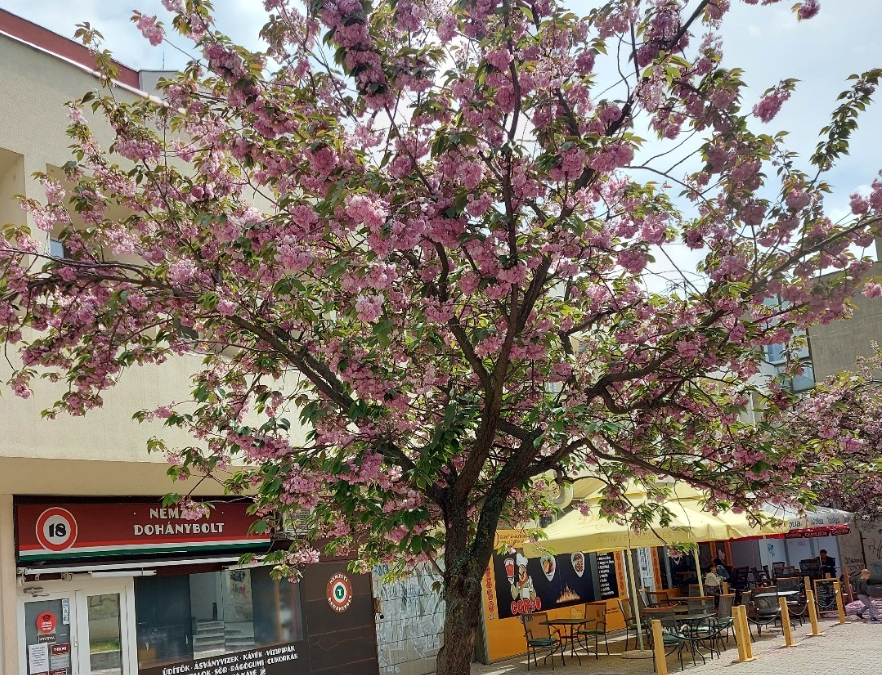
(538, 584)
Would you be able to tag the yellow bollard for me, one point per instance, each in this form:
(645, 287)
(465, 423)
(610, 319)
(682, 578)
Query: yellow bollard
(808, 583)
(740, 638)
(748, 644)
(658, 646)
(741, 626)
(813, 614)
(839, 606)
(785, 623)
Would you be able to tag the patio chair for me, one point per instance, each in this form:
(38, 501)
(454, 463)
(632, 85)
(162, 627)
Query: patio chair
(725, 623)
(789, 584)
(739, 580)
(744, 600)
(702, 604)
(658, 598)
(765, 611)
(673, 639)
(631, 620)
(796, 604)
(540, 637)
(810, 567)
(642, 600)
(694, 590)
(596, 629)
(700, 633)
(759, 577)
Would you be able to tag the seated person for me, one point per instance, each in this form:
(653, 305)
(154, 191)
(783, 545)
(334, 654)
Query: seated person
(713, 582)
(828, 564)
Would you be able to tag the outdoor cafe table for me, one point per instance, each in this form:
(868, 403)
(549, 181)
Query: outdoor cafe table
(575, 624)
(776, 594)
(694, 618)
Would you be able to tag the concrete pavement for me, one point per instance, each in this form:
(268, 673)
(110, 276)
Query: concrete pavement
(851, 648)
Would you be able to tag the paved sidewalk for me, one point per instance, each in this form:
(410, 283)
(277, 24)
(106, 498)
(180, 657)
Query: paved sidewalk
(851, 649)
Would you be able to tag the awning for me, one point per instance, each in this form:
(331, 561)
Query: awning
(125, 568)
(820, 521)
(575, 533)
(825, 531)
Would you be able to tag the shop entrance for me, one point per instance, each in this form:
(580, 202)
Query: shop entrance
(81, 631)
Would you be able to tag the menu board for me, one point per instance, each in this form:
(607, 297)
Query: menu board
(825, 595)
(606, 575)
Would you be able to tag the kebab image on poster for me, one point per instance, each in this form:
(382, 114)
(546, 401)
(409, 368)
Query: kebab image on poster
(525, 585)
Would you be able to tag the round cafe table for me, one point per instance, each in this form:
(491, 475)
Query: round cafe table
(570, 633)
(776, 594)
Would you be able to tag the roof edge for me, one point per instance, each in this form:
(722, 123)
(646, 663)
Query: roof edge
(58, 45)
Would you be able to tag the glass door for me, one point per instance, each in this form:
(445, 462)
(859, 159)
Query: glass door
(104, 632)
(51, 639)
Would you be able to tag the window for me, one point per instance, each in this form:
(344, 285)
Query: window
(782, 357)
(56, 249)
(203, 615)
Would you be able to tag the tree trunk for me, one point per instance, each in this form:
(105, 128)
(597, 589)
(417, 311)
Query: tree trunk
(462, 593)
(465, 563)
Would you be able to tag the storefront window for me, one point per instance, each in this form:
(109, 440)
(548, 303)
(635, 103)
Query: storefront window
(203, 615)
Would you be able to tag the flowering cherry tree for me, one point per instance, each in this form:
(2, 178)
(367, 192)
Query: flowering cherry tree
(840, 425)
(434, 233)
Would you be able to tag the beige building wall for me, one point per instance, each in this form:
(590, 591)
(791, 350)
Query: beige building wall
(835, 347)
(103, 453)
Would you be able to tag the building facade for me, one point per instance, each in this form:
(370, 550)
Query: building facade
(96, 575)
(835, 348)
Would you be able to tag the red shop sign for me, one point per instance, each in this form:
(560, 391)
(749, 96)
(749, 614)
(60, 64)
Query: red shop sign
(93, 530)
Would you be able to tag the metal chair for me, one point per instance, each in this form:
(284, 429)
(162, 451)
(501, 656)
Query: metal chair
(701, 604)
(658, 598)
(540, 637)
(744, 600)
(765, 611)
(631, 620)
(672, 637)
(789, 584)
(760, 577)
(740, 580)
(725, 623)
(694, 590)
(797, 606)
(597, 628)
(810, 567)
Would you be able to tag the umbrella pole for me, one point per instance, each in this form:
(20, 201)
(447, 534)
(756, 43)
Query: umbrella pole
(629, 562)
(698, 570)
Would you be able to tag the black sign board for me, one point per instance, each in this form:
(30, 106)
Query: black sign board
(531, 585)
(606, 574)
(825, 595)
(284, 659)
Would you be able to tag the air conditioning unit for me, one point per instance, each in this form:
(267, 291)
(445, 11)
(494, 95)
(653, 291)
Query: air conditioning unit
(296, 525)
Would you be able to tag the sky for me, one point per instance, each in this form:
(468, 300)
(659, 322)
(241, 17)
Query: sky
(768, 43)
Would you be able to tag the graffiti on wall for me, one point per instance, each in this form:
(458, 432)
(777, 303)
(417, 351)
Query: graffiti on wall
(409, 623)
(853, 551)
